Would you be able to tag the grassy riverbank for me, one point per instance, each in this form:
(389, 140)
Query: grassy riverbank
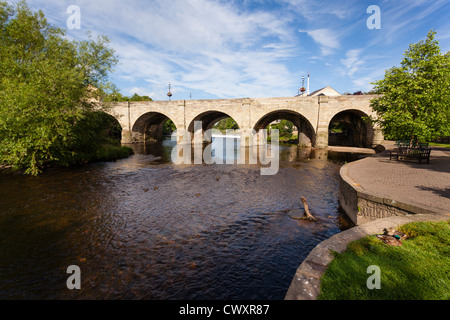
(443, 145)
(417, 270)
(108, 151)
(96, 138)
(103, 153)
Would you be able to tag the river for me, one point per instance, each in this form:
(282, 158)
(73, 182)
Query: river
(144, 228)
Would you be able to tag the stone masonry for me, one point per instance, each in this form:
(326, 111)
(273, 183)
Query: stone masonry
(140, 120)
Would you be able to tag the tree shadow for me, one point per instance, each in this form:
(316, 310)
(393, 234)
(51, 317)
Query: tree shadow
(439, 160)
(438, 191)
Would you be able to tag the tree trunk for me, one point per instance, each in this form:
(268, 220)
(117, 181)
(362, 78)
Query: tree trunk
(411, 142)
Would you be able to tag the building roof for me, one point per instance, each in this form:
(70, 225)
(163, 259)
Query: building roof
(327, 91)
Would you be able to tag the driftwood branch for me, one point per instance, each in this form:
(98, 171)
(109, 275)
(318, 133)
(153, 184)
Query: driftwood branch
(308, 214)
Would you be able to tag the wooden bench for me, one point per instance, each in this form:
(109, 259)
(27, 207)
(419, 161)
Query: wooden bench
(402, 143)
(407, 143)
(404, 153)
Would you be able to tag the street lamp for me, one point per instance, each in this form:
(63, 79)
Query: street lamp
(169, 94)
(302, 89)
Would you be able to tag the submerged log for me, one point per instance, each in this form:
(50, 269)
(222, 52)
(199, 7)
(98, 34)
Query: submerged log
(308, 214)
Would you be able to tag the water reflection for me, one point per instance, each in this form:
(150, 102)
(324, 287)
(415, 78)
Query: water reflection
(143, 228)
(162, 152)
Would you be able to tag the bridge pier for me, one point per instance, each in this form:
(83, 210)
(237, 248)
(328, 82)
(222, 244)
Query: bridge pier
(126, 136)
(322, 138)
(304, 141)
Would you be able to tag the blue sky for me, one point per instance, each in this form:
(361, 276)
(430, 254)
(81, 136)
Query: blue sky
(251, 48)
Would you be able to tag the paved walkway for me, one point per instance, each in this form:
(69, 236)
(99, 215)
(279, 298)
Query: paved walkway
(423, 185)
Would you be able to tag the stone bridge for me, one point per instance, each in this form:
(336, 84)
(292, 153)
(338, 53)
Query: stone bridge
(312, 115)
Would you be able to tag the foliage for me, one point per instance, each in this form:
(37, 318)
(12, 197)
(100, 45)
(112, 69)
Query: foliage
(285, 128)
(114, 95)
(338, 127)
(97, 138)
(442, 145)
(415, 101)
(136, 97)
(226, 124)
(417, 270)
(168, 127)
(48, 86)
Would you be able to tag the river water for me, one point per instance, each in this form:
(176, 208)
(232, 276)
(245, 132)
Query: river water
(144, 228)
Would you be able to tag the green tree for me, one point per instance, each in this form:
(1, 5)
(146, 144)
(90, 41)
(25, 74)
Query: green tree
(226, 124)
(48, 89)
(168, 127)
(415, 100)
(285, 128)
(136, 97)
(112, 94)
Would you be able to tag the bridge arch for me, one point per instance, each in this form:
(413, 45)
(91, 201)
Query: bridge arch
(351, 128)
(149, 127)
(306, 132)
(208, 119)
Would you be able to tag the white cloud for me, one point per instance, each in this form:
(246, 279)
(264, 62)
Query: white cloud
(363, 84)
(140, 91)
(352, 61)
(197, 45)
(327, 39)
(246, 48)
(312, 9)
(211, 46)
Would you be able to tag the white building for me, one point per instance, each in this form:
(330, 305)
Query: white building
(327, 91)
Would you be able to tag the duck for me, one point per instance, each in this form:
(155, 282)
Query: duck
(394, 232)
(394, 240)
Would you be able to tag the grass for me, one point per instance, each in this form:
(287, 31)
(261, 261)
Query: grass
(99, 151)
(418, 270)
(108, 152)
(443, 145)
(286, 139)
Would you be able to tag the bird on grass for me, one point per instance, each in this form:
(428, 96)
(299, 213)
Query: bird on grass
(392, 237)
(394, 240)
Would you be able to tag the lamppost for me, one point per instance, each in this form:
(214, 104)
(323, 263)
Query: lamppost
(169, 94)
(302, 89)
